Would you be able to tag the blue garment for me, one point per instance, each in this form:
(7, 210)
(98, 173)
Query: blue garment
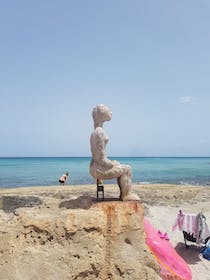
(206, 253)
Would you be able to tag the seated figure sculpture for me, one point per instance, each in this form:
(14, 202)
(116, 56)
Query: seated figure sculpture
(102, 168)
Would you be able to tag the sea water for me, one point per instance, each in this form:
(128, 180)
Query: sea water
(45, 171)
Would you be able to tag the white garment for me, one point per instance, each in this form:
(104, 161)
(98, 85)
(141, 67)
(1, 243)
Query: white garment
(185, 222)
(192, 224)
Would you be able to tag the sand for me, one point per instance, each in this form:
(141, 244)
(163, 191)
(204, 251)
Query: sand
(161, 204)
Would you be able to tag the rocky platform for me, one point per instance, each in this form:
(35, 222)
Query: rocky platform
(57, 235)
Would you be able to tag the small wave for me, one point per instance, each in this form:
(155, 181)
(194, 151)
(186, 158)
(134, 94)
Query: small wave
(185, 183)
(144, 183)
(190, 183)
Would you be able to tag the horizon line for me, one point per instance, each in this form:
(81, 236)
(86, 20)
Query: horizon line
(1, 157)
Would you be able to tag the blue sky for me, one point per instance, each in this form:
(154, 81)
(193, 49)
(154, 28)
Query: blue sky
(149, 61)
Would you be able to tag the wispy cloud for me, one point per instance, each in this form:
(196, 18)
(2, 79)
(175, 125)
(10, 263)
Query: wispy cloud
(185, 99)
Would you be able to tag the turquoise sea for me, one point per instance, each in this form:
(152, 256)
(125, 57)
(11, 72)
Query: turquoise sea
(45, 171)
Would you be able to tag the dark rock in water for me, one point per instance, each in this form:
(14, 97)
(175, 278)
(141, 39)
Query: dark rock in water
(10, 203)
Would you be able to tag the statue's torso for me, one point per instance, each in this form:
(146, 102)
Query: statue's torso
(98, 141)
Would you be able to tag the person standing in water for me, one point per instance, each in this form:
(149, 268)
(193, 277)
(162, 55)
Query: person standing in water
(63, 179)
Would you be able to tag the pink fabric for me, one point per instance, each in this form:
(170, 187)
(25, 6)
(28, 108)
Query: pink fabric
(169, 260)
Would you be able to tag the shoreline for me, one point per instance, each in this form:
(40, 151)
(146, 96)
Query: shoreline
(207, 185)
(109, 185)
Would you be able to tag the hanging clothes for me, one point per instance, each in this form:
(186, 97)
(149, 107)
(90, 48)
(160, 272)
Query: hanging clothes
(192, 224)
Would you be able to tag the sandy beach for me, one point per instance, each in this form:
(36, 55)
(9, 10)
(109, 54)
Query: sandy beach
(161, 204)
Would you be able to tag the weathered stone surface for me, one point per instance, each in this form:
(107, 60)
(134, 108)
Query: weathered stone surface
(126, 255)
(106, 241)
(10, 203)
(59, 255)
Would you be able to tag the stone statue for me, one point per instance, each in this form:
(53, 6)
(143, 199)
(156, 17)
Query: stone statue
(101, 167)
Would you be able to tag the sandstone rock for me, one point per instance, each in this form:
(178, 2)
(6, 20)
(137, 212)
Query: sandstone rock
(106, 241)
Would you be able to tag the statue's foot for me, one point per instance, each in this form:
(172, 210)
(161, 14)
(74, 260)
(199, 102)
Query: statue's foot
(130, 196)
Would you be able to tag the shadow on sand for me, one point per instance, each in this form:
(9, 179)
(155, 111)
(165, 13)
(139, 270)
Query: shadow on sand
(13, 202)
(84, 202)
(190, 254)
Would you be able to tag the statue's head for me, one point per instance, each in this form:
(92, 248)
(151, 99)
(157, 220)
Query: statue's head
(101, 113)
